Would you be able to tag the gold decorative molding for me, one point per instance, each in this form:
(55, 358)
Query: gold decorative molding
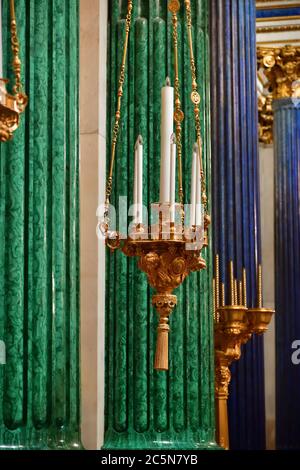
(278, 29)
(278, 18)
(278, 7)
(278, 42)
(265, 120)
(281, 68)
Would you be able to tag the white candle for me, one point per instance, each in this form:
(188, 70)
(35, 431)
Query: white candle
(1, 43)
(167, 117)
(198, 193)
(194, 185)
(135, 182)
(138, 181)
(173, 178)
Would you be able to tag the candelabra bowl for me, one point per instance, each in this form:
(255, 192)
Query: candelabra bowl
(166, 263)
(232, 319)
(259, 319)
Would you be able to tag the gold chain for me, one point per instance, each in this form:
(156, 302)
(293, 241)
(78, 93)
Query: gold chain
(116, 127)
(17, 88)
(174, 7)
(195, 98)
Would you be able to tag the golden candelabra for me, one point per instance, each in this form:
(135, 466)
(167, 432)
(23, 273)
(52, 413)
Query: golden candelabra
(12, 105)
(234, 326)
(167, 252)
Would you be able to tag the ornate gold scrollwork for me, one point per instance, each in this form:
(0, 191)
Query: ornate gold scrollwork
(281, 67)
(166, 264)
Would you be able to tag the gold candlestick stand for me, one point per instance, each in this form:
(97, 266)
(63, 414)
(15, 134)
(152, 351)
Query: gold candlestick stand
(234, 326)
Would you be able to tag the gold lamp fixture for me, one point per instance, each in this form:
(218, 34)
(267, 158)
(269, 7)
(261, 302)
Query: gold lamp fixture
(12, 105)
(169, 249)
(234, 326)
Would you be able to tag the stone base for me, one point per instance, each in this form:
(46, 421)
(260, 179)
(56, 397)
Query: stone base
(46, 439)
(132, 440)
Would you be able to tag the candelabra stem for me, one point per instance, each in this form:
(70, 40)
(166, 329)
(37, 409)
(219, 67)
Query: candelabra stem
(222, 430)
(164, 304)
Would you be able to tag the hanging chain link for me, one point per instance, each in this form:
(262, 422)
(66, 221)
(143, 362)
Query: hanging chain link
(116, 128)
(174, 7)
(196, 100)
(16, 63)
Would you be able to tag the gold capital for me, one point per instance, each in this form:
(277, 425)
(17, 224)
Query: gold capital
(281, 68)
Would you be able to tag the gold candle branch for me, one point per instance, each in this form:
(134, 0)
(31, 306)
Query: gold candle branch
(231, 280)
(241, 294)
(222, 294)
(244, 281)
(259, 287)
(217, 293)
(236, 292)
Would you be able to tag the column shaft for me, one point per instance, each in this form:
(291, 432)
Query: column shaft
(287, 270)
(235, 185)
(39, 289)
(146, 408)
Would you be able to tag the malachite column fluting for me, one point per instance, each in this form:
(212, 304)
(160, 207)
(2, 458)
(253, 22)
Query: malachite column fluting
(287, 270)
(39, 287)
(145, 408)
(235, 184)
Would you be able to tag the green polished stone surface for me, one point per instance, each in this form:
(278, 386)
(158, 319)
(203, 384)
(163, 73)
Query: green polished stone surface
(146, 409)
(39, 249)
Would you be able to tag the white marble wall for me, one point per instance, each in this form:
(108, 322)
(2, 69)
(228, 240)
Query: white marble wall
(266, 155)
(93, 40)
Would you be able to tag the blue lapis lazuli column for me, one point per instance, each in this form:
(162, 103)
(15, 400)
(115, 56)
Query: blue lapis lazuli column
(287, 272)
(235, 185)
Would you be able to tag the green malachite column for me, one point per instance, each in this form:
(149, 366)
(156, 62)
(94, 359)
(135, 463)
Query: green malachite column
(145, 408)
(39, 307)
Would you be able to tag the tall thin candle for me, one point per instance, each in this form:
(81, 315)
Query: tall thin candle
(198, 193)
(194, 186)
(138, 181)
(167, 117)
(173, 178)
